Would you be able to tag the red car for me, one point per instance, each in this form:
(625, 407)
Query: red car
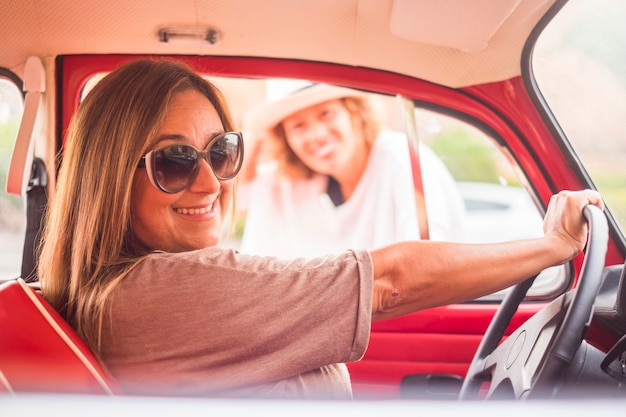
(518, 98)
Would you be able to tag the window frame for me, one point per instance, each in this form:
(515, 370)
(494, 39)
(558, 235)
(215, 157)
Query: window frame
(9, 76)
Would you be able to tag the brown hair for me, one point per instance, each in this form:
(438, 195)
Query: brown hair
(364, 120)
(88, 244)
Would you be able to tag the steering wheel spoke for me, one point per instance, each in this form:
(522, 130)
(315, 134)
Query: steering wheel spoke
(514, 364)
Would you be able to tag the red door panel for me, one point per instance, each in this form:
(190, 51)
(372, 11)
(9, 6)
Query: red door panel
(439, 341)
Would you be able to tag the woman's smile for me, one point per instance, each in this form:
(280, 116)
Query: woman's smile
(194, 211)
(325, 150)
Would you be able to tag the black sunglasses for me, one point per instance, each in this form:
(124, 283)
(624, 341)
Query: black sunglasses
(173, 168)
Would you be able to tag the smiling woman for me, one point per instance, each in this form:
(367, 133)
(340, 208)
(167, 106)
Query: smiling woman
(163, 216)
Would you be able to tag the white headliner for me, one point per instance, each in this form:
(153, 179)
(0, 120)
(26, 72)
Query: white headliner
(428, 39)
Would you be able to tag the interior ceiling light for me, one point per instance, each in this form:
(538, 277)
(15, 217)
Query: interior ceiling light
(196, 36)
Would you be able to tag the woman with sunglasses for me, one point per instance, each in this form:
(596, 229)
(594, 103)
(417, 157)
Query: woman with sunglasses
(131, 259)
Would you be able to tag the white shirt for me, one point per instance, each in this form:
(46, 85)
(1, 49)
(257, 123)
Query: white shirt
(291, 218)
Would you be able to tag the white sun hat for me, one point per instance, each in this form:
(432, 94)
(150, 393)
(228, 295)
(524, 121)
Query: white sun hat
(287, 98)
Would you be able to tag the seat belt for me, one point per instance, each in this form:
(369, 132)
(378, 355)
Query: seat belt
(420, 199)
(408, 111)
(36, 203)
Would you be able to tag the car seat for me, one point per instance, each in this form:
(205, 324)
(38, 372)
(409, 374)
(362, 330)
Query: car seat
(40, 352)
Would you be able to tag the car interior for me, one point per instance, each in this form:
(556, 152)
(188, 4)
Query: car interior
(559, 335)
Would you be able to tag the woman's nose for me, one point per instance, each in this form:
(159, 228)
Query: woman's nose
(206, 181)
(317, 131)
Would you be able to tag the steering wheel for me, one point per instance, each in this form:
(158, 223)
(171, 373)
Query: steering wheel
(531, 361)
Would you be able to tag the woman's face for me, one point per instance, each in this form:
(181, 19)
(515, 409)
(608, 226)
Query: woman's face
(193, 218)
(323, 137)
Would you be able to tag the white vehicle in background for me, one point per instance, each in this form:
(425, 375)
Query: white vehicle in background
(497, 213)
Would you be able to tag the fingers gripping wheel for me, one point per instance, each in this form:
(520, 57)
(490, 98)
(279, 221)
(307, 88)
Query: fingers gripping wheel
(532, 360)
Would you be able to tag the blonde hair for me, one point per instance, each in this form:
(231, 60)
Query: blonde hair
(364, 120)
(88, 244)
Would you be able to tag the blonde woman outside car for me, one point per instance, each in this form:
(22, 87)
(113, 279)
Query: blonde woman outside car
(336, 178)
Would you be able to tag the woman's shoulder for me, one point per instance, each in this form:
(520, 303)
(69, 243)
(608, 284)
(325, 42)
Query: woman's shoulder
(226, 269)
(214, 257)
(225, 258)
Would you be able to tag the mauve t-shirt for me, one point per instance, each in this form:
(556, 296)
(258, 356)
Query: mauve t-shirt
(215, 322)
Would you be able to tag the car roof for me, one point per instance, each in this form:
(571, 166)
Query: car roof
(426, 39)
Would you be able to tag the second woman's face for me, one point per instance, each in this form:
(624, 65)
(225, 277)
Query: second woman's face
(193, 218)
(323, 137)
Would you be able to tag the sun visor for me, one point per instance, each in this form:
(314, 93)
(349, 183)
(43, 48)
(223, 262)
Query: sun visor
(19, 173)
(439, 23)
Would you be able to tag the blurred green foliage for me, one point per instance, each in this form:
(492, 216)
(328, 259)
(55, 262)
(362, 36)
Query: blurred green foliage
(611, 185)
(470, 157)
(8, 132)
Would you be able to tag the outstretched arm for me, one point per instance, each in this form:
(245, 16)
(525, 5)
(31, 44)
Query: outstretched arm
(411, 276)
